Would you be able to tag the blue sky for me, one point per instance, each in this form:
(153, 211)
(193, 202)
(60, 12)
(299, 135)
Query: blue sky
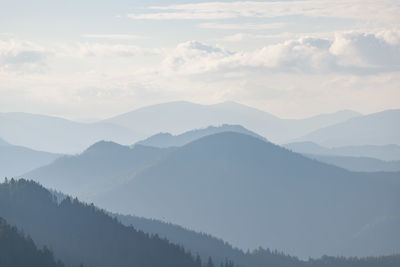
(95, 59)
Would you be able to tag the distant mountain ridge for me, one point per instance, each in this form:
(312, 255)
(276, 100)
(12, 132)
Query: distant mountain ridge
(358, 164)
(16, 160)
(57, 135)
(380, 128)
(384, 152)
(169, 140)
(180, 116)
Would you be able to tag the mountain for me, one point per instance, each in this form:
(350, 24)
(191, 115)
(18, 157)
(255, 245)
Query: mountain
(250, 192)
(381, 128)
(385, 152)
(99, 168)
(3, 143)
(80, 233)
(18, 250)
(58, 135)
(16, 160)
(359, 164)
(180, 117)
(169, 140)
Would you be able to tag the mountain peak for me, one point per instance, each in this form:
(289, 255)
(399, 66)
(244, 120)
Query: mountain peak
(104, 146)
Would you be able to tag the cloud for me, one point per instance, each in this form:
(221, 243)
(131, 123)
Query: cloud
(22, 56)
(384, 10)
(115, 36)
(242, 26)
(352, 52)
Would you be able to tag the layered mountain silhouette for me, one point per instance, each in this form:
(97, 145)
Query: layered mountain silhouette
(16, 160)
(79, 233)
(179, 117)
(384, 152)
(58, 135)
(358, 164)
(99, 168)
(374, 129)
(255, 193)
(169, 140)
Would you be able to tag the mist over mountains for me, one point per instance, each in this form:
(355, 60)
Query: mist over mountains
(230, 183)
(44, 133)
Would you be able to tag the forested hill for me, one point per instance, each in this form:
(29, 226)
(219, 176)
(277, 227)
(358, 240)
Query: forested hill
(80, 233)
(18, 250)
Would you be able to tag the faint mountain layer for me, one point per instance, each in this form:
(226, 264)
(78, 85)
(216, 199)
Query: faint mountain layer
(358, 164)
(169, 140)
(384, 152)
(58, 135)
(180, 117)
(375, 129)
(16, 160)
(250, 192)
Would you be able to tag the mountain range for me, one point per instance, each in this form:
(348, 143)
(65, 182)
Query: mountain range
(373, 129)
(385, 152)
(250, 195)
(44, 133)
(169, 140)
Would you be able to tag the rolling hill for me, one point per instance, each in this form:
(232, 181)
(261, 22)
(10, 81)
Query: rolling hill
(99, 168)
(241, 189)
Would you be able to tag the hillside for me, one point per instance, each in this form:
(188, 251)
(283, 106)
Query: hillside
(374, 129)
(16, 160)
(100, 167)
(80, 233)
(18, 250)
(169, 140)
(251, 197)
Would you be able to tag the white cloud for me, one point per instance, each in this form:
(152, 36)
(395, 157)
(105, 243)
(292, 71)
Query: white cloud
(115, 36)
(242, 26)
(347, 52)
(384, 10)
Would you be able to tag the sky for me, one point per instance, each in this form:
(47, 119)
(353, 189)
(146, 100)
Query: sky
(92, 59)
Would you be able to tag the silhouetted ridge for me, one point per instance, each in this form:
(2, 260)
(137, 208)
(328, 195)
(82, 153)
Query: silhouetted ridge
(80, 233)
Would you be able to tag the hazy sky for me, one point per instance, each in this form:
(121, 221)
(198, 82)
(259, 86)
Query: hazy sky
(97, 58)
